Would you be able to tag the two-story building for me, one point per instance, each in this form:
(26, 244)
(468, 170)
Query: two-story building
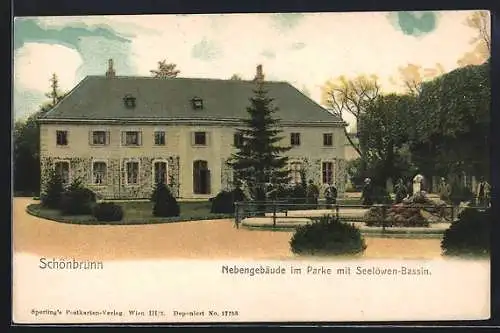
(122, 135)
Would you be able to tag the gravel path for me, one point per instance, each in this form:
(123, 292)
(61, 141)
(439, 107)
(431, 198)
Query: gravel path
(216, 239)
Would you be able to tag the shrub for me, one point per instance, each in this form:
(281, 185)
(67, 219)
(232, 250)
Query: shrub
(381, 195)
(460, 193)
(470, 235)
(297, 197)
(165, 204)
(223, 203)
(108, 211)
(51, 198)
(327, 235)
(399, 215)
(77, 200)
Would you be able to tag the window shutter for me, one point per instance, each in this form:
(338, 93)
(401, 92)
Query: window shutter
(123, 138)
(90, 138)
(192, 138)
(139, 138)
(108, 137)
(207, 138)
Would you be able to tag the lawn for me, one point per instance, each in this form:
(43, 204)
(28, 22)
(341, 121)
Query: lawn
(135, 212)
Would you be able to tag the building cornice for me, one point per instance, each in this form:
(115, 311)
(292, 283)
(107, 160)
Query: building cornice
(183, 121)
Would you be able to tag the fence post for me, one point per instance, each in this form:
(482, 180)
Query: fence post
(383, 217)
(337, 211)
(274, 214)
(236, 215)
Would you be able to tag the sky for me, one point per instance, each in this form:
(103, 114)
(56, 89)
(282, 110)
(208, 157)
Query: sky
(305, 49)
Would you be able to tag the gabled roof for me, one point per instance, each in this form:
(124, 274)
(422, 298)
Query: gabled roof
(102, 98)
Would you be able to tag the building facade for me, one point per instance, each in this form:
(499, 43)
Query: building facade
(122, 135)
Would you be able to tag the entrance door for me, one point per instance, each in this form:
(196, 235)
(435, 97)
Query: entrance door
(201, 177)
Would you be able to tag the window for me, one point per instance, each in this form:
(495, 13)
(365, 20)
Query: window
(295, 139)
(238, 140)
(295, 172)
(62, 138)
(197, 103)
(328, 139)
(132, 169)
(200, 138)
(99, 138)
(327, 169)
(99, 173)
(129, 101)
(201, 177)
(131, 138)
(159, 138)
(62, 170)
(160, 172)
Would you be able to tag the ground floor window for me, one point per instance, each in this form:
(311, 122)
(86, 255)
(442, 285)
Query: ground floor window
(295, 172)
(160, 172)
(327, 171)
(99, 173)
(201, 177)
(132, 172)
(62, 170)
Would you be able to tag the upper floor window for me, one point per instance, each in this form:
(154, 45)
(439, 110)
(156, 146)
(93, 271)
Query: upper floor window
(197, 103)
(200, 138)
(159, 138)
(295, 139)
(238, 140)
(131, 138)
(99, 138)
(328, 139)
(62, 138)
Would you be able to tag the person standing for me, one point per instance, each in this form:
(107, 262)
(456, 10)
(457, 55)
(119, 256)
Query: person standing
(483, 193)
(312, 194)
(330, 195)
(444, 190)
(367, 194)
(400, 191)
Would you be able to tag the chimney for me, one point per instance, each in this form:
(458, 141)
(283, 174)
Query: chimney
(111, 70)
(259, 75)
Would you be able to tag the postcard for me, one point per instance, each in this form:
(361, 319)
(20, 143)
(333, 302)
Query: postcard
(242, 168)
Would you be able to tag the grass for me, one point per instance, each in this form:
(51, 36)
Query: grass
(134, 213)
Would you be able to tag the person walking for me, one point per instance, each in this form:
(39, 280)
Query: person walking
(367, 194)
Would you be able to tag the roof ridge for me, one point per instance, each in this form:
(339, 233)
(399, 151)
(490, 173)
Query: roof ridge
(176, 78)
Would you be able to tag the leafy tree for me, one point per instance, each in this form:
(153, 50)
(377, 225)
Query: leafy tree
(451, 123)
(258, 159)
(480, 21)
(352, 96)
(235, 77)
(165, 70)
(26, 159)
(384, 122)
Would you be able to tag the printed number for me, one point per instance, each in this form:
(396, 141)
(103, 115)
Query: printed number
(230, 313)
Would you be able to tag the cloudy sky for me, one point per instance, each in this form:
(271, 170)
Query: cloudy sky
(303, 49)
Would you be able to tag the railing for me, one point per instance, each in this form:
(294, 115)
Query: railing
(283, 210)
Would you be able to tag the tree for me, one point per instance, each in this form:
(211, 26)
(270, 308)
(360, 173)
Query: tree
(451, 123)
(385, 121)
(352, 96)
(235, 77)
(165, 70)
(258, 159)
(481, 22)
(413, 75)
(26, 159)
